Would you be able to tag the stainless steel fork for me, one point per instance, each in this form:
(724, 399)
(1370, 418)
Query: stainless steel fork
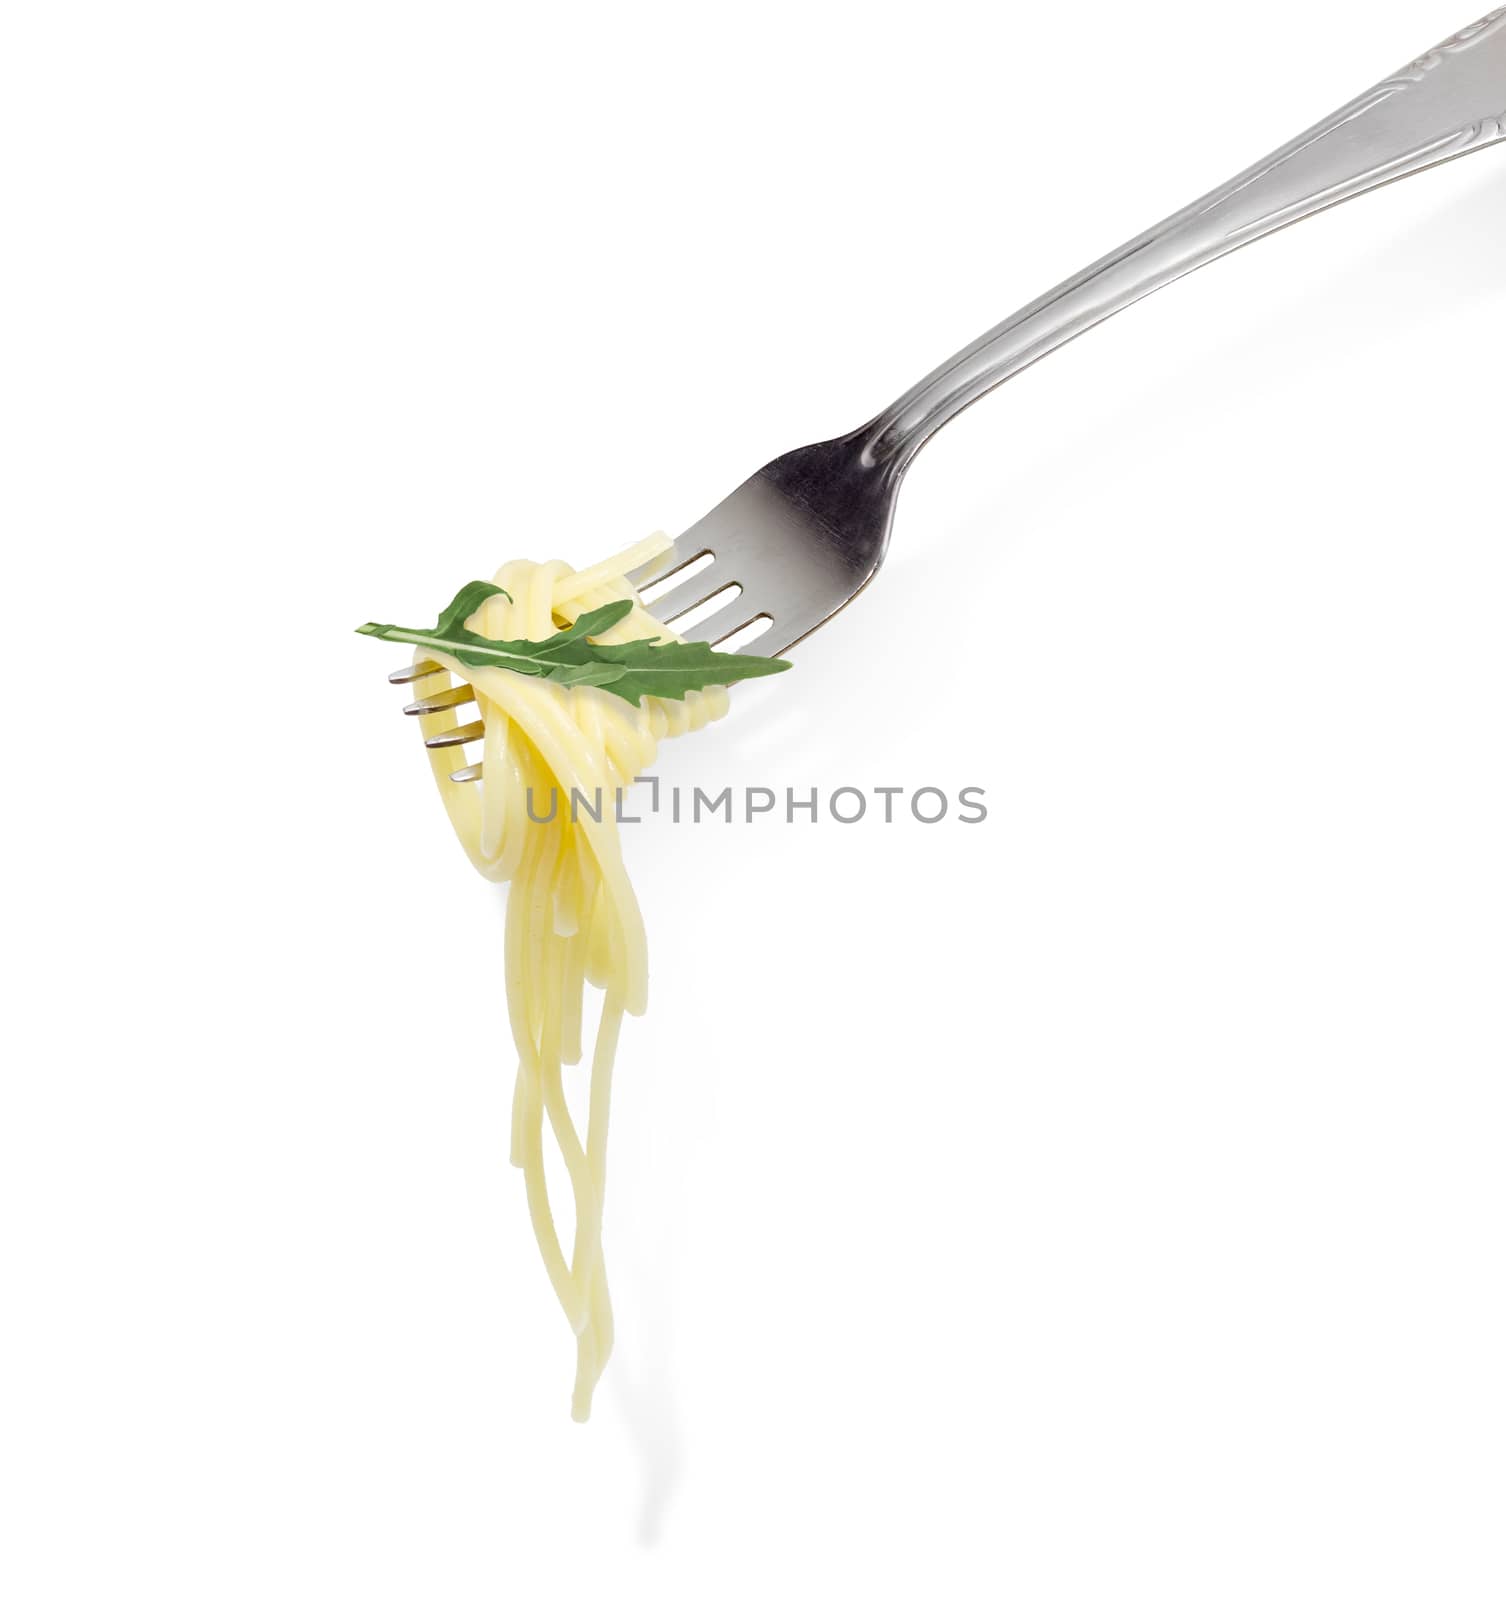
(806, 533)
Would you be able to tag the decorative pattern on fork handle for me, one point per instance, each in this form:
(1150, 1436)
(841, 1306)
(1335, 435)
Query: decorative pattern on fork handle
(1488, 129)
(1417, 70)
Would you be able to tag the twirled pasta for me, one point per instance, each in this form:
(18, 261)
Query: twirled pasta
(572, 917)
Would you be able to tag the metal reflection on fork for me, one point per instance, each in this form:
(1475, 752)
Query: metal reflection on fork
(806, 533)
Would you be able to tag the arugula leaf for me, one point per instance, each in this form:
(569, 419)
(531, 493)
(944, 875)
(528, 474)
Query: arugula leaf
(666, 669)
(558, 656)
(560, 646)
(467, 601)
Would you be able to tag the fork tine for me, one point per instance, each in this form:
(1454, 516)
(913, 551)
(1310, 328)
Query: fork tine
(706, 584)
(471, 774)
(446, 701)
(419, 669)
(724, 623)
(681, 553)
(465, 735)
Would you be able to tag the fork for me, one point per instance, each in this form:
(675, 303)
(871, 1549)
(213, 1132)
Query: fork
(806, 533)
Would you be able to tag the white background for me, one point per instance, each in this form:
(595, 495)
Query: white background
(1105, 1200)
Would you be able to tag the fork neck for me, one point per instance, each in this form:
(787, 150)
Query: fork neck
(892, 439)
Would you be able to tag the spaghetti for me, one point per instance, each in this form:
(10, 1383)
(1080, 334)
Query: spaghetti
(543, 820)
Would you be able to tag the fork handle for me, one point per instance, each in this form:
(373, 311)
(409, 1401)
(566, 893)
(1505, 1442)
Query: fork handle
(1446, 104)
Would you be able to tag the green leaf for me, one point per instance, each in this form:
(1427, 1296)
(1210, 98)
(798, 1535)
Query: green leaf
(666, 669)
(670, 670)
(466, 603)
(588, 622)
